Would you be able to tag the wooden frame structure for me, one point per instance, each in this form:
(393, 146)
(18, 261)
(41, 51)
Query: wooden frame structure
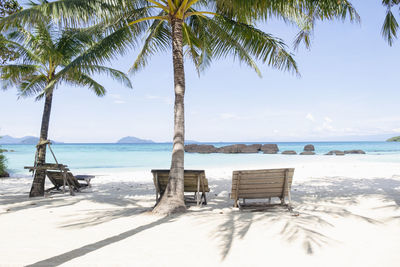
(260, 184)
(195, 181)
(60, 176)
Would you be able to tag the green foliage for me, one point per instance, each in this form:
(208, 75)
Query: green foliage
(2, 163)
(390, 25)
(394, 139)
(50, 56)
(7, 7)
(213, 29)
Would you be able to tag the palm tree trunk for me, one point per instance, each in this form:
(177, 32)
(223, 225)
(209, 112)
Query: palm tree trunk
(173, 199)
(37, 188)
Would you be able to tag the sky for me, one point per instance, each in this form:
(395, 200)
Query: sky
(348, 90)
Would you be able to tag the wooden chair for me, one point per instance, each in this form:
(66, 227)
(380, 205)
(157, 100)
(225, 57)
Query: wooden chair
(57, 178)
(259, 184)
(60, 176)
(194, 181)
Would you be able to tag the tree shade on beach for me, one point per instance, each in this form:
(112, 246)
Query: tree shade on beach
(204, 30)
(46, 52)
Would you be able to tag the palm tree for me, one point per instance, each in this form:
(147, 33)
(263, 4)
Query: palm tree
(390, 25)
(206, 30)
(46, 52)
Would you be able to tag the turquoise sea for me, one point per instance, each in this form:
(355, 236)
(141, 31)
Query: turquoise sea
(141, 157)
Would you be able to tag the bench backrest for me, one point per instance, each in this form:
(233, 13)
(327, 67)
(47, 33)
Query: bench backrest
(56, 177)
(253, 184)
(191, 179)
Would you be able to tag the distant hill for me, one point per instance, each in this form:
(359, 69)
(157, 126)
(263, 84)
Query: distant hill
(133, 140)
(26, 140)
(394, 139)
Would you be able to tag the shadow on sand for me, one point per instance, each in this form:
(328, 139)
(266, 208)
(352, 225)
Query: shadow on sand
(317, 200)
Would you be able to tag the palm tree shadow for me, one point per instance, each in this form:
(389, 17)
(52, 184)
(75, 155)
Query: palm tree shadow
(317, 202)
(70, 255)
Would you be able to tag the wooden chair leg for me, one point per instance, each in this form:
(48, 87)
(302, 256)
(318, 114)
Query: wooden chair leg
(203, 196)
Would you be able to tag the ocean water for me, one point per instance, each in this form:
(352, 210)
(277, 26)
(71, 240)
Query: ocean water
(110, 158)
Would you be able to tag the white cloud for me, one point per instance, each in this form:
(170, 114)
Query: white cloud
(328, 120)
(230, 116)
(310, 117)
(164, 99)
(117, 99)
(397, 130)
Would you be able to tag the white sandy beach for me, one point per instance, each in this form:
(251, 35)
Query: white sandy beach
(349, 216)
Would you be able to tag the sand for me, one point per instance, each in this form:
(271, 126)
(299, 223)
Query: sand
(349, 215)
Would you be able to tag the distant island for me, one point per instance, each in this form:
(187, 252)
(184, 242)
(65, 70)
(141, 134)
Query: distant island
(394, 139)
(26, 140)
(134, 140)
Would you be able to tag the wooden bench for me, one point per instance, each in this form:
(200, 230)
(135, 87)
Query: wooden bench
(260, 184)
(57, 178)
(195, 181)
(60, 176)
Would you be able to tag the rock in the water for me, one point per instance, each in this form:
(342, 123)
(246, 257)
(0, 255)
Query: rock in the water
(4, 174)
(231, 149)
(307, 153)
(3, 150)
(355, 151)
(335, 152)
(270, 148)
(289, 152)
(194, 148)
(309, 148)
(255, 148)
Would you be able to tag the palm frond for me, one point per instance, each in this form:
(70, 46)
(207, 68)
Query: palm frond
(390, 25)
(158, 39)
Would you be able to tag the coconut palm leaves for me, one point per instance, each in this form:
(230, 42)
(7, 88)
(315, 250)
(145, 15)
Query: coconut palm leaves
(51, 57)
(45, 53)
(390, 24)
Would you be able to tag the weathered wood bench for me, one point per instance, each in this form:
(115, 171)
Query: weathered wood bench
(60, 176)
(195, 182)
(260, 184)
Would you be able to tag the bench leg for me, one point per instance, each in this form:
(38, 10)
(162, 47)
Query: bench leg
(203, 196)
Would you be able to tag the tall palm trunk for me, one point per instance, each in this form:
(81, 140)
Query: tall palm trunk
(37, 188)
(173, 199)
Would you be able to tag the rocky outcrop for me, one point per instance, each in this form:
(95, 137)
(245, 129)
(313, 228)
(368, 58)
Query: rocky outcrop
(194, 148)
(335, 152)
(231, 149)
(289, 152)
(355, 151)
(255, 148)
(307, 153)
(270, 148)
(309, 148)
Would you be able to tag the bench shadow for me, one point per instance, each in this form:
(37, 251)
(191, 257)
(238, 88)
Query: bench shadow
(317, 201)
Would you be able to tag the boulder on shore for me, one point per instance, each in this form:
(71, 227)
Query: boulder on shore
(194, 148)
(307, 153)
(270, 148)
(335, 152)
(289, 152)
(354, 151)
(309, 147)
